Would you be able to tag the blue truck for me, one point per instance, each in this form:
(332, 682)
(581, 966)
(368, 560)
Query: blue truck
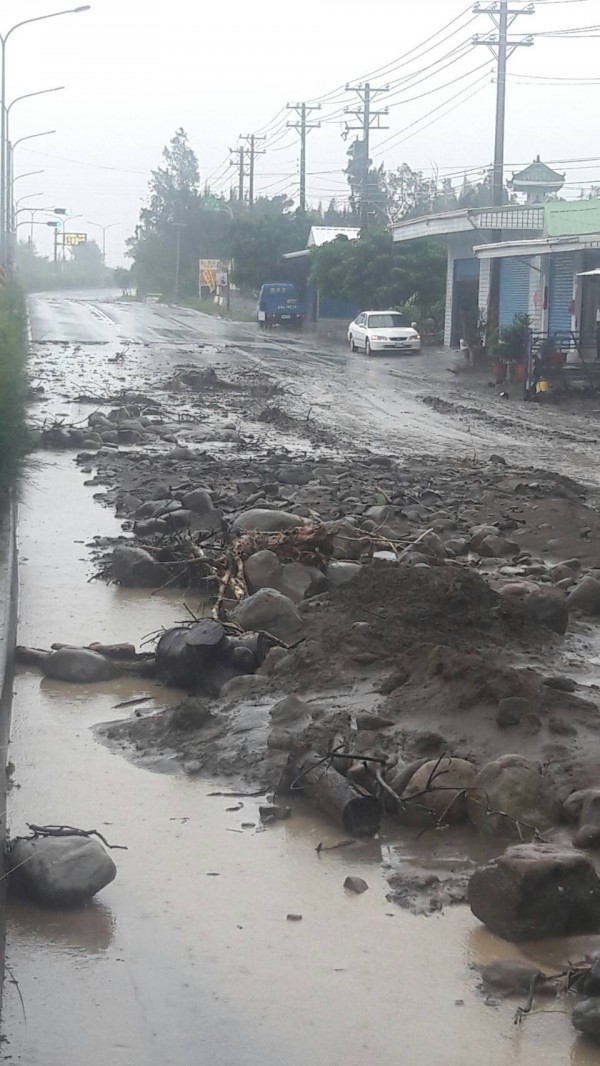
(278, 305)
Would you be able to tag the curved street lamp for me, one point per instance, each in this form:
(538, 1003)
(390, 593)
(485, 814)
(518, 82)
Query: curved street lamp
(3, 153)
(99, 225)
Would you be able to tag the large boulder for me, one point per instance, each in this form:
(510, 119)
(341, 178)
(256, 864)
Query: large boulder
(264, 570)
(135, 568)
(494, 546)
(261, 570)
(61, 871)
(443, 784)
(294, 474)
(546, 606)
(586, 597)
(537, 890)
(347, 539)
(583, 807)
(264, 520)
(271, 611)
(198, 500)
(586, 1016)
(81, 666)
(510, 798)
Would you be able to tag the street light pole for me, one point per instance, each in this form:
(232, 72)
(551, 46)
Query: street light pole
(8, 177)
(99, 225)
(24, 96)
(3, 153)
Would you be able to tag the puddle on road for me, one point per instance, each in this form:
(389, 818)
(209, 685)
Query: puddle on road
(188, 955)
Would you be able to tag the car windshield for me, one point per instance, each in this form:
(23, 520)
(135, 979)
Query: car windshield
(385, 321)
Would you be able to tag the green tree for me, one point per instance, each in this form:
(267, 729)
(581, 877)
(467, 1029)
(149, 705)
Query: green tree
(377, 272)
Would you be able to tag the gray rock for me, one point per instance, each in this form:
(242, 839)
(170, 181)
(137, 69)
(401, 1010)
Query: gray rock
(509, 976)
(479, 533)
(449, 800)
(272, 612)
(80, 666)
(274, 812)
(265, 521)
(61, 871)
(290, 711)
(381, 514)
(456, 546)
(261, 570)
(294, 474)
(583, 806)
(586, 1016)
(586, 597)
(512, 709)
(198, 500)
(561, 684)
(430, 545)
(342, 573)
(587, 836)
(245, 685)
(346, 539)
(135, 568)
(356, 884)
(297, 581)
(494, 547)
(550, 609)
(537, 890)
(510, 798)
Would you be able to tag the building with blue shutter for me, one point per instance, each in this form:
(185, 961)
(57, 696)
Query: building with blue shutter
(544, 251)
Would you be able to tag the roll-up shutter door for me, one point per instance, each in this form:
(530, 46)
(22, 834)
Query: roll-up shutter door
(560, 293)
(514, 290)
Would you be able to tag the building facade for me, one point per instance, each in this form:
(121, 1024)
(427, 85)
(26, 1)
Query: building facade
(543, 251)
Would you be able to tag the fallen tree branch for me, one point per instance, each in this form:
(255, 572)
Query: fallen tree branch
(71, 831)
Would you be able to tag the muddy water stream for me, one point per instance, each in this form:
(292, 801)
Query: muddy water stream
(188, 957)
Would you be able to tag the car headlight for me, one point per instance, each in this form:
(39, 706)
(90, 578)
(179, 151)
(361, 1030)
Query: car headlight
(378, 337)
(417, 337)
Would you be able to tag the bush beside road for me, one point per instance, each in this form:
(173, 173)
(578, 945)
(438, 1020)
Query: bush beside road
(13, 385)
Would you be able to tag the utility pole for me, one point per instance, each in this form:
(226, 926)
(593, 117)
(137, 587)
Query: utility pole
(240, 162)
(303, 110)
(252, 138)
(178, 226)
(368, 120)
(501, 48)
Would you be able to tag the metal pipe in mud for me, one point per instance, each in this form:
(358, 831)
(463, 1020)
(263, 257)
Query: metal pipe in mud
(358, 814)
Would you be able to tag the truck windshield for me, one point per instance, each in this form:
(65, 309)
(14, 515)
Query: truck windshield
(385, 321)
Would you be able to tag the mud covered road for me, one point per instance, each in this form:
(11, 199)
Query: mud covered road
(406, 405)
(188, 957)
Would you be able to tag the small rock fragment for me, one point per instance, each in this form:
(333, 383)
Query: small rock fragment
(356, 884)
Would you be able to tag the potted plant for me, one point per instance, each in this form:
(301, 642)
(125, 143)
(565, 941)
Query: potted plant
(514, 341)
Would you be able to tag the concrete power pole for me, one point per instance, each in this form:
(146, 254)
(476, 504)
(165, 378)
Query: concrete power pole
(501, 48)
(303, 110)
(252, 138)
(368, 120)
(240, 163)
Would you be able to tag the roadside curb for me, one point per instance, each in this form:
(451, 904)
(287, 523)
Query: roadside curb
(9, 588)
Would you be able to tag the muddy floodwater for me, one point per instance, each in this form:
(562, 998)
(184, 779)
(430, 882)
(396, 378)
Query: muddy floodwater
(188, 957)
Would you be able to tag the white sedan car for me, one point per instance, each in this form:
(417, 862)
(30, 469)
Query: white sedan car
(382, 331)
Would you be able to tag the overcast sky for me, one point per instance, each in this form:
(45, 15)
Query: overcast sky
(135, 70)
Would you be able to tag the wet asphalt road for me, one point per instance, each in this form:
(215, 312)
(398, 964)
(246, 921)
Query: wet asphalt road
(188, 956)
(381, 402)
